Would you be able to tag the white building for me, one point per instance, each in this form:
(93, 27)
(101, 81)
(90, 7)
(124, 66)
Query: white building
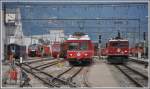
(11, 28)
(53, 36)
(12, 31)
(56, 35)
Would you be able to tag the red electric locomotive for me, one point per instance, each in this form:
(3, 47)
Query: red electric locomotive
(80, 49)
(117, 50)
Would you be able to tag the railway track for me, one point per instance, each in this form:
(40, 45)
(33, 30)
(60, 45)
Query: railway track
(85, 78)
(139, 79)
(72, 72)
(36, 61)
(46, 65)
(46, 78)
(145, 63)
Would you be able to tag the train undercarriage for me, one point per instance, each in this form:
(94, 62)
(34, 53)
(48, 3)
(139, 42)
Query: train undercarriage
(74, 61)
(117, 59)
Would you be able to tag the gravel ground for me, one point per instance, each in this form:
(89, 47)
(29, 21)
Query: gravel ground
(81, 78)
(93, 75)
(42, 62)
(138, 67)
(122, 80)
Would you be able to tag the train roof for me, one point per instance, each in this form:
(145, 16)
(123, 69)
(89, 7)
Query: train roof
(84, 37)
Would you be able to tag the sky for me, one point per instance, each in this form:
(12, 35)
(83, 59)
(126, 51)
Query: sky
(95, 19)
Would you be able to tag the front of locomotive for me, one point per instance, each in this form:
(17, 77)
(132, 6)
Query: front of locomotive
(80, 50)
(55, 50)
(118, 50)
(33, 50)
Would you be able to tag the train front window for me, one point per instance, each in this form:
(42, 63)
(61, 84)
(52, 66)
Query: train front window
(119, 44)
(83, 46)
(78, 46)
(73, 46)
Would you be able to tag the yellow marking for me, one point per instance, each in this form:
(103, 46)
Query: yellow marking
(60, 64)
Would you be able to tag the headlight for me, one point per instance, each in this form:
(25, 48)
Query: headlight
(125, 51)
(70, 54)
(86, 54)
(118, 50)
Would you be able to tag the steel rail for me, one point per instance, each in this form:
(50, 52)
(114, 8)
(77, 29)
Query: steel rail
(139, 61)
(139, 73)
(49, 63)
(129, 76)
(86, 83)
(29, 71)
(52, 77)
(52, 64)
(38, 61)
(58, 76)
(75, 74)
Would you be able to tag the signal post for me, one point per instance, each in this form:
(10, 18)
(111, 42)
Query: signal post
(99, 45)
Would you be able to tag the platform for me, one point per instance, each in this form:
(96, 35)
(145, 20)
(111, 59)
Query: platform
(100, 76)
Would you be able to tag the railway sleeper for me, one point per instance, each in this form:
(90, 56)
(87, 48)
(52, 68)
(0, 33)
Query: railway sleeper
(57, 79)
(133, 79)
(62, 81)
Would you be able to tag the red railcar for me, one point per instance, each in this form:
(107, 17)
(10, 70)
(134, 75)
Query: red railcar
(38, 50)
(96, 49)
(56, 49)
(103, 52)
(117, 50)
(80, 49)
(34, 50)
(46, 50)
(134, 51)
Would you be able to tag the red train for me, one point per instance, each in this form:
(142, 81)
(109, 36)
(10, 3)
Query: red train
(103, 52)
(117, 51)
(37, 50)
(55, 48)
(80, 49)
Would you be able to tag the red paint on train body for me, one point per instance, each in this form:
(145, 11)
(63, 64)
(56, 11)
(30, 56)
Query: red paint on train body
(118, 48)
(55, 49)
(80, 49)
